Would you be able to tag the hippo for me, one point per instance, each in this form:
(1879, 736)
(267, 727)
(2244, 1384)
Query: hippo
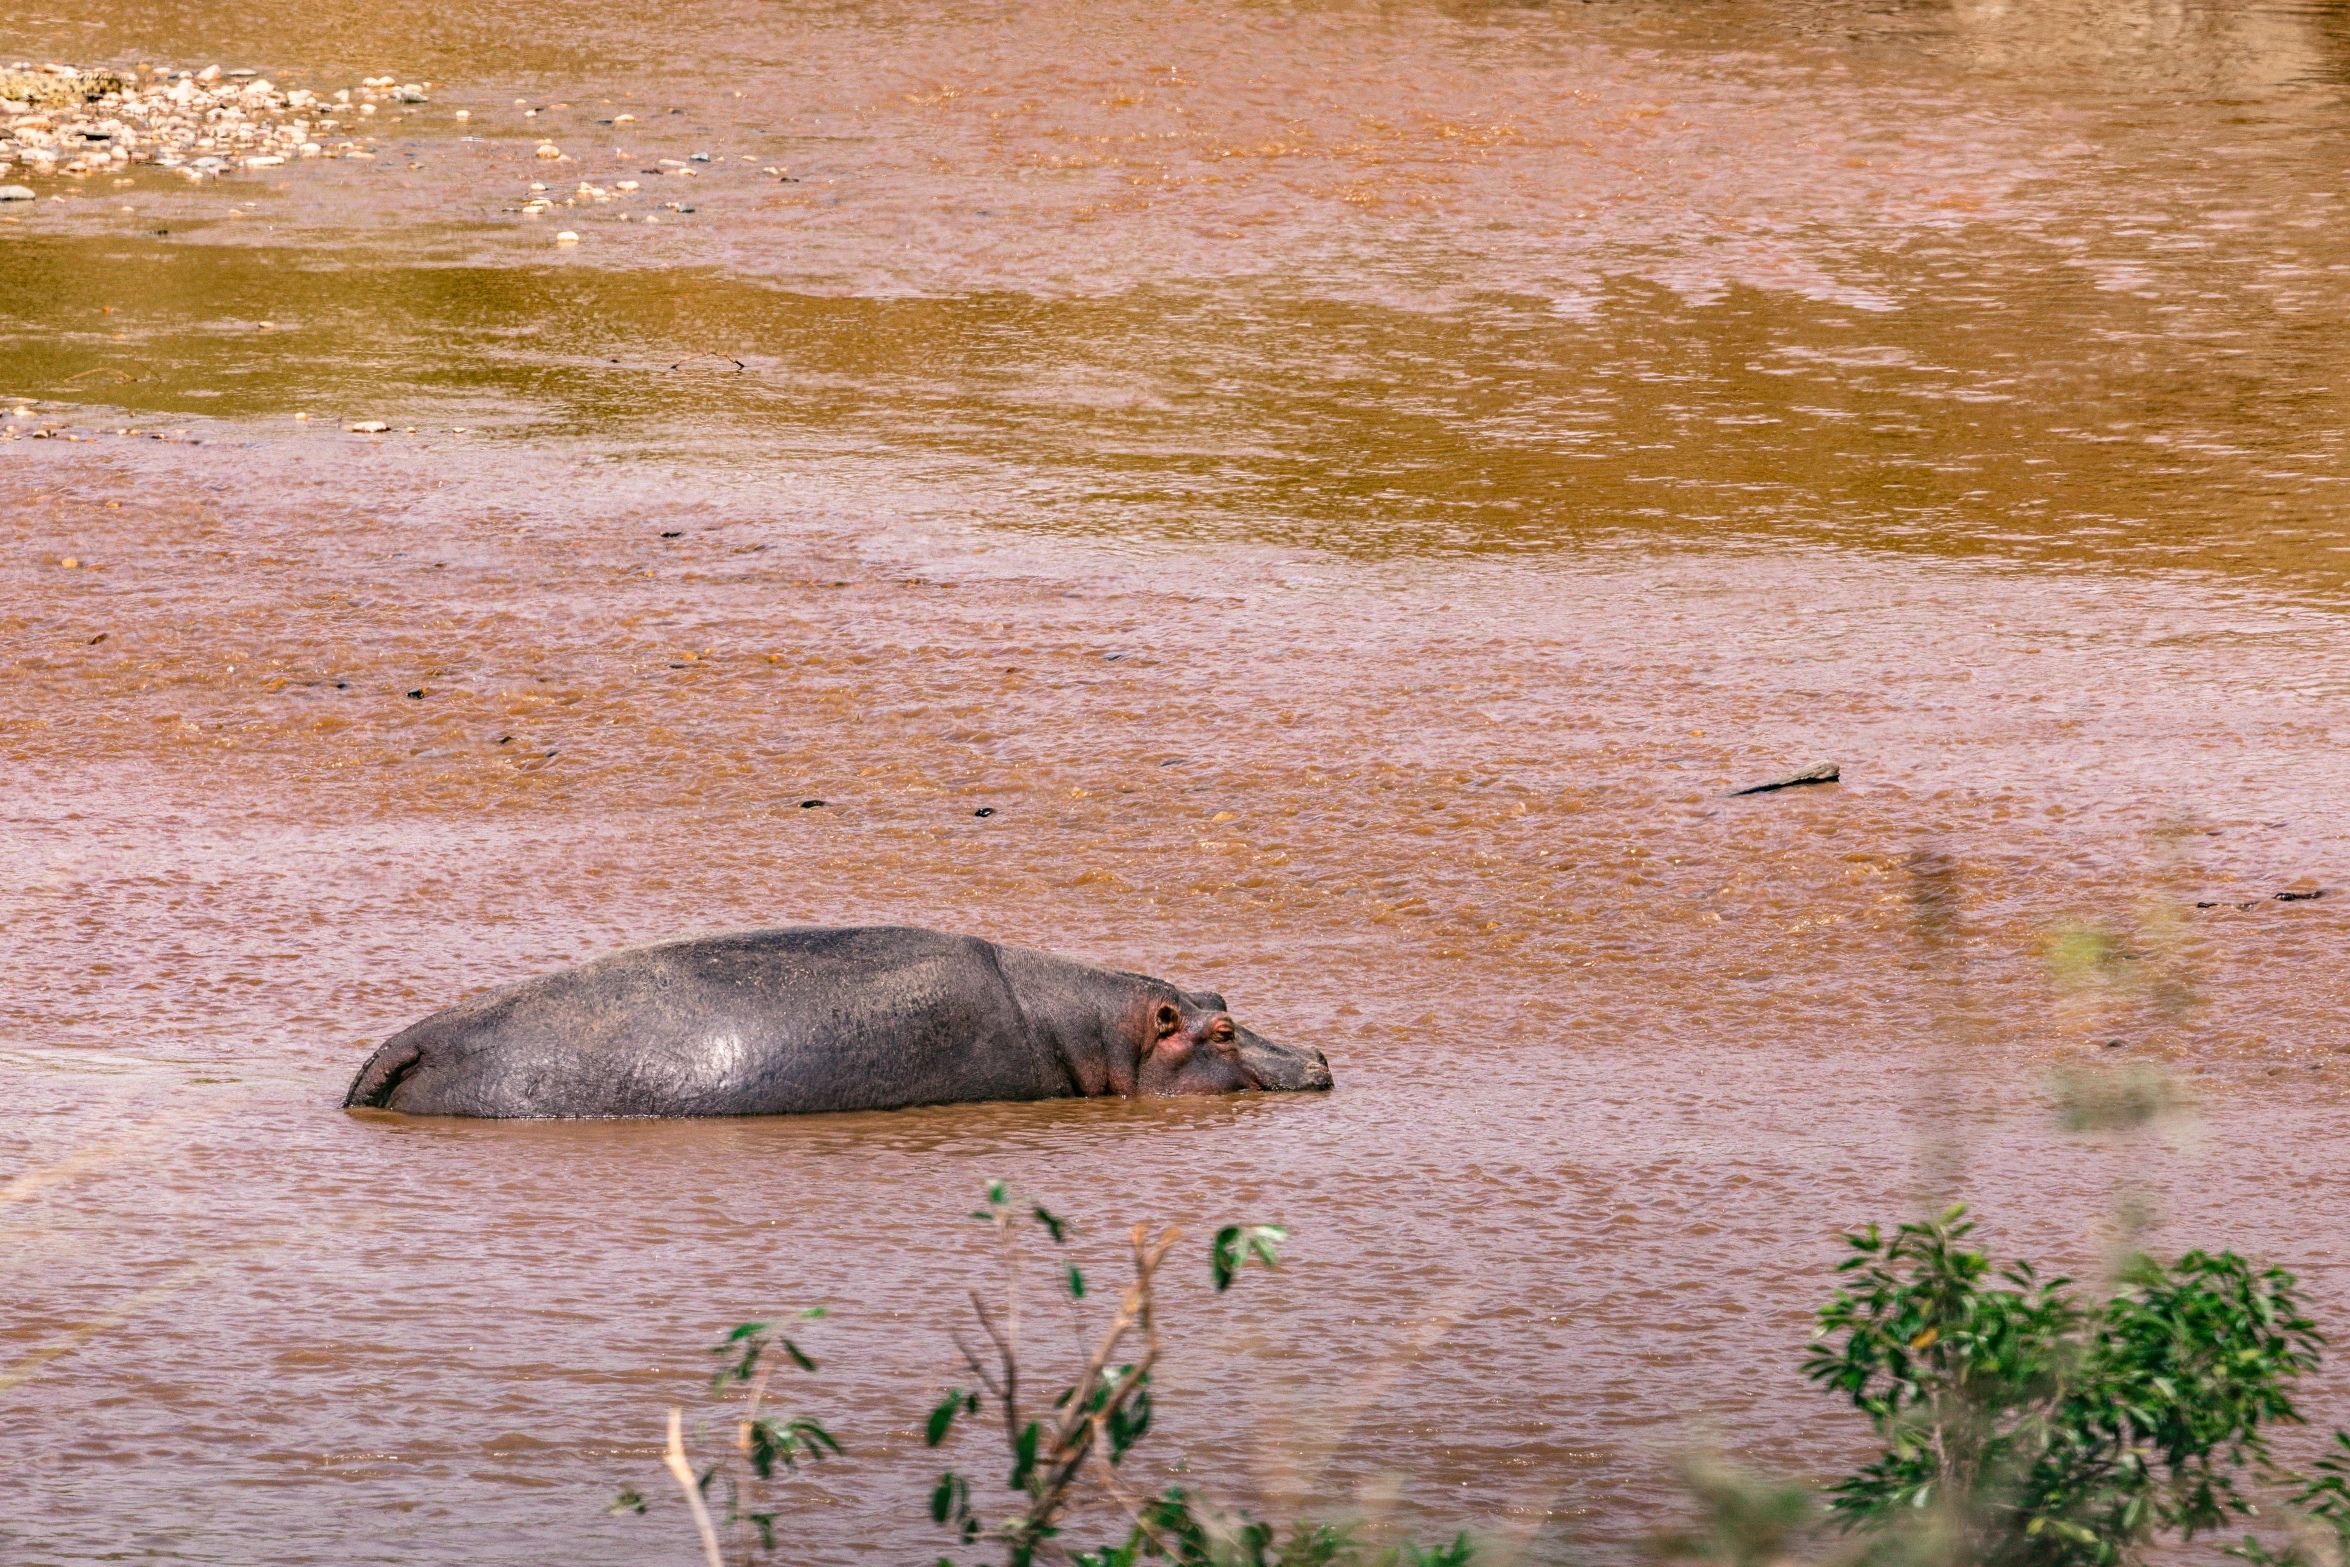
(807, 1019)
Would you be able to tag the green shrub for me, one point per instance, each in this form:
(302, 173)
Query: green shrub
(2037, 1429)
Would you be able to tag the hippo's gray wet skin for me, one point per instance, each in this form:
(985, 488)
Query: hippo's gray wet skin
(812, 1018)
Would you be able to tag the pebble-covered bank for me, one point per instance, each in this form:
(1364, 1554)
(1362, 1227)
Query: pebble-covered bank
(65, 122)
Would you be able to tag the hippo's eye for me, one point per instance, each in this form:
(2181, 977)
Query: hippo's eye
(1220, 1029)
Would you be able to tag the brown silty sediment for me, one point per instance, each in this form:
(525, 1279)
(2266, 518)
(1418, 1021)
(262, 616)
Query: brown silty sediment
(1459, 825)
(1319, 506)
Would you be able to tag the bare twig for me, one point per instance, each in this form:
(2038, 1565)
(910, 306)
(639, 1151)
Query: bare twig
(750, 1419)
(684, 1471)
(1080, 1427)
(1007, 1348)
(987, 1378)
(1011, 1339)
(1131, 1504)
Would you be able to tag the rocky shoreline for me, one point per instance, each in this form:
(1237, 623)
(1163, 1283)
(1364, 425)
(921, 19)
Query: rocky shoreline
(62, 121)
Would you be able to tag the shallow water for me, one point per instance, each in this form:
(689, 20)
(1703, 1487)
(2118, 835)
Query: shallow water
(1349, 489)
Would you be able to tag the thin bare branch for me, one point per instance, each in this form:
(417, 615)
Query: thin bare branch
(675, 1459)
(1078, 1432)
(987, 1378)
(1108, 1474)
(1009, 1353)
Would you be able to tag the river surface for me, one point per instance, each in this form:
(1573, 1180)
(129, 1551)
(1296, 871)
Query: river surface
(1315, 502)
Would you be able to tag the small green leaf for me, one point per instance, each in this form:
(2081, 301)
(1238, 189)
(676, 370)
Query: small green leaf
(997, 1192)
(799, 1356)
(628, 1501)
(812, 1437)
(1076, 1283)
(746, 1330)
(1024, 1455)
(1238, 1245)
(1056, 1225)
(1130, 1418)
(943, 1417)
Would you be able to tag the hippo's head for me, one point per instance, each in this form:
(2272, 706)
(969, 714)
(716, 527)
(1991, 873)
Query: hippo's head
(1192, 1046)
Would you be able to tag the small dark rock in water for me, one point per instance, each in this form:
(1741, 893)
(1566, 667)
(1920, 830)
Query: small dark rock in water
(985, 810)
(1825, 772)
(677, 535)
(417, 694)
(2301, 897)
(2113, 1044)
(809, 805)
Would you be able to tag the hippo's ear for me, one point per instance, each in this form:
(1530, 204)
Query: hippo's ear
(1168, 1040)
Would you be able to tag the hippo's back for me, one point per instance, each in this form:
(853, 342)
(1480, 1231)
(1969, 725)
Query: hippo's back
(767, 1022)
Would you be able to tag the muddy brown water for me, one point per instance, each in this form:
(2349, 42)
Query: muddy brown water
(1348, 489)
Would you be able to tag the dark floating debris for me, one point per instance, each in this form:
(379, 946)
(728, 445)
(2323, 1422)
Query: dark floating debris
(809, 805)
(2289, 895)
(1825, 772)
(985, 810)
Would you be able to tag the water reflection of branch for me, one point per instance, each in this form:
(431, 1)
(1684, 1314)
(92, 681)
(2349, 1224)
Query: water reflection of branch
(34, 1362)
(1299, 1460)
(120, 378)
(1934, 888)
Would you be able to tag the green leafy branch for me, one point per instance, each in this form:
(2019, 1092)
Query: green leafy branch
(2046, 1432)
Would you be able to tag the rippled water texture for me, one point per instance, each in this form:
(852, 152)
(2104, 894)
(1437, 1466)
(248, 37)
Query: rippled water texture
(1347, 491)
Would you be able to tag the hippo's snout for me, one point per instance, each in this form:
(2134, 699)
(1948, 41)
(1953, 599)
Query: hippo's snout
(1282, 1068)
